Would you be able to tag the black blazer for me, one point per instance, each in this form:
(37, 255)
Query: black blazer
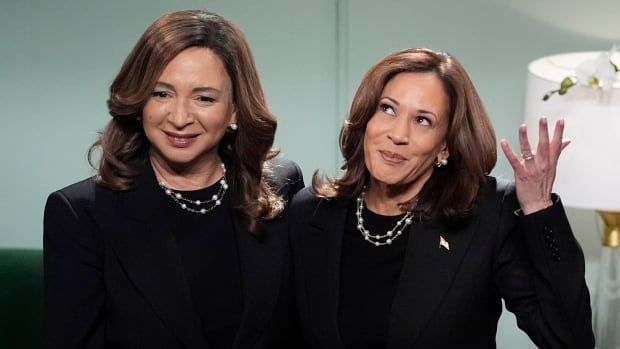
(452, 298)
(114, 279)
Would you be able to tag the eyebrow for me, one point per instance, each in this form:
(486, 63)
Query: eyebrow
(196, 89)
(423, 111)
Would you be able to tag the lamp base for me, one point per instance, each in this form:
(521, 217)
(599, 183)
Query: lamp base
(611, 235)
(606, 307)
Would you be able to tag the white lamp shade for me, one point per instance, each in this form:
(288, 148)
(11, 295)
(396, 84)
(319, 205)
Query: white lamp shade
(588, 174)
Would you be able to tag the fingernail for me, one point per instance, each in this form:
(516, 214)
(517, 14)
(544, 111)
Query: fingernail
(543, 120)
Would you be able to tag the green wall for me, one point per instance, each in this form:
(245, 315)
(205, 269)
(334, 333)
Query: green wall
(58, 59)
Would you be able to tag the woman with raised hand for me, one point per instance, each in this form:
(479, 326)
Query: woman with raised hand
(415, 245)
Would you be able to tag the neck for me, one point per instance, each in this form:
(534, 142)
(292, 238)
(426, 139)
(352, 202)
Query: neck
(386, 199)
(186, 177)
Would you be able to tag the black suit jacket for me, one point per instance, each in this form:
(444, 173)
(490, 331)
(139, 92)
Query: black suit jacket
(451, 298)
(114, 278)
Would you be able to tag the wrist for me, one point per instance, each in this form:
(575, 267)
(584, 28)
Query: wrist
(537, 206)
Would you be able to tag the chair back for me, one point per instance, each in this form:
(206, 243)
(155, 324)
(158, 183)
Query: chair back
(21, 295)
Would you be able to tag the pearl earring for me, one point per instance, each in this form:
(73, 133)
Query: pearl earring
(441, 162)
(233, 127)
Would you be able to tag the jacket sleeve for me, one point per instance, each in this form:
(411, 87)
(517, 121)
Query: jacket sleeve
(74, 289)
(540, 274)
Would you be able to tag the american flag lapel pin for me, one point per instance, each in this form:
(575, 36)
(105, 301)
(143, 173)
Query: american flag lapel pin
(443, 243)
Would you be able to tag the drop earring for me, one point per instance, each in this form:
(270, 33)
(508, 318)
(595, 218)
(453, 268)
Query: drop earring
(441, 162)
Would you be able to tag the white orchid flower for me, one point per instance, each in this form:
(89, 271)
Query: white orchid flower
(600, 72)
(597, 72)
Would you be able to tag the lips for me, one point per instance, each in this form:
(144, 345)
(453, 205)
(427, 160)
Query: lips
(181, 140)
(390, 157)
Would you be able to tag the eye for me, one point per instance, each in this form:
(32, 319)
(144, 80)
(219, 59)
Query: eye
(160, 94)
(387, 109)
(205, 99)
(422, 120)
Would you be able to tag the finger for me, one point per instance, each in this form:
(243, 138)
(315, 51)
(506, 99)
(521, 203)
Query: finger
(512, 158)
(558, 132)
(542, 151)
(565, 143)
(526, 149)
(556, 145)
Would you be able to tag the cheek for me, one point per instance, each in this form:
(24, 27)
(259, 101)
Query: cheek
(366, 143)
(372, 133)
(368, 147)
(152, 113)
(215, 121)
(152, 117)
(422, 153)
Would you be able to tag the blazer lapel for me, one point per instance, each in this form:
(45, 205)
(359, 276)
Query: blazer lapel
(262, 260)
(322, 269)
(142, 238)
(433, 256)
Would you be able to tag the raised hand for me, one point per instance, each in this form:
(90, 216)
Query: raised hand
(535, 171)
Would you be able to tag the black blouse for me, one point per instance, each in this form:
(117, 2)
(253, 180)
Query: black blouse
(368, 279)
(208, 250)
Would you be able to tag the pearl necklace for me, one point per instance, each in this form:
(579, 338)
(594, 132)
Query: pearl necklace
(380, 239)
(195, 206)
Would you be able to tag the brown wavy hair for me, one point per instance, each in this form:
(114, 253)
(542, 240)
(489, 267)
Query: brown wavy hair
(124, 146)
(452, 189)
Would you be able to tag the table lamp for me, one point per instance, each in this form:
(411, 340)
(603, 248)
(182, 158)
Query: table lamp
(588, 174)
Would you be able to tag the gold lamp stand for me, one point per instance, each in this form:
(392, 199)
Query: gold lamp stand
(611, 236)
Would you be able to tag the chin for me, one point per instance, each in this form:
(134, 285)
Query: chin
(390, 182)
(176, 158)
(386, 177)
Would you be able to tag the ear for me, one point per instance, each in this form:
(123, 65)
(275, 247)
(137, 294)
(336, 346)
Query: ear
(233, 116)
(444, 152)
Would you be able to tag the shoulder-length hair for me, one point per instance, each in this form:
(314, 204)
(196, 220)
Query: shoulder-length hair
(124, 145)
(452, 189)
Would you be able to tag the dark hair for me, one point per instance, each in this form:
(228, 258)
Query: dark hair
(124, 145)
(470, 138)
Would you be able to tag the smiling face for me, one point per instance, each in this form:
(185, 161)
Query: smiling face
(188, 112)
(406, 135)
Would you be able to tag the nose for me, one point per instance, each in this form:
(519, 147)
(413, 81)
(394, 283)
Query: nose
(399, 132)
(180, 116)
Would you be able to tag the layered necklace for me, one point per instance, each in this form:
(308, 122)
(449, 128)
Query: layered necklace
(198, 206)
(380, 239)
